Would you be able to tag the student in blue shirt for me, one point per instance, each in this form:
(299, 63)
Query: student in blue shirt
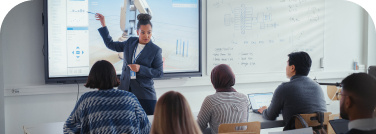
(106, 110)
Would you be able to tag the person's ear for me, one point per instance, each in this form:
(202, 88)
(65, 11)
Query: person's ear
(138, 32)
(349, 102)
(292, 68)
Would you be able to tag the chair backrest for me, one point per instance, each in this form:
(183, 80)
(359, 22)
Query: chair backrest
(252, 128)
(330, 128)
(334, 116)
(331, 91)
(311, 120)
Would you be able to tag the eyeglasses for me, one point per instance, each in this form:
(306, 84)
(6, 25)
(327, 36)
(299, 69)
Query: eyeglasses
(339, 95)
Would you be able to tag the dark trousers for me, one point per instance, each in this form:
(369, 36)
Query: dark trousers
(147, 105)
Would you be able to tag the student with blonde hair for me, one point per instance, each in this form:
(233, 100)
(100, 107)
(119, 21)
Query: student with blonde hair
(173, 115)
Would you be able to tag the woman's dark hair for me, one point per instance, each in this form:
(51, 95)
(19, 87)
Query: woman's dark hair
(102, 76)
(143, 19)
(301, 61)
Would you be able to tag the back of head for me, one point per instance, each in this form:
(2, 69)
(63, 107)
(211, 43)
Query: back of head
(102, 76)
(143, 19)
(173, 116)
(302, 62)
(222, 78)
(363, 87)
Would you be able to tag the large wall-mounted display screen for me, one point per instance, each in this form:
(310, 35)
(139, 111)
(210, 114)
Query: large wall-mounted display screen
(73, 43)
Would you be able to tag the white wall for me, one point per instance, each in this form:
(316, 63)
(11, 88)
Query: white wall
(23, 66)
(22, 33)
(343, 34)
(2, 118)
(371, 42)
(22, 41)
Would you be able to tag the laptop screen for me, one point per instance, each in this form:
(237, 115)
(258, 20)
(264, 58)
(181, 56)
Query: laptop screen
(339, 125)
(260, 99)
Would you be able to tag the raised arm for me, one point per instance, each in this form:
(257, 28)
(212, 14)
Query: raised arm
(107, 39)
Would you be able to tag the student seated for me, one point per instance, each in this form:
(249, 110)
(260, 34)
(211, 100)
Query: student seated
(106, 110)
(301, 95)
(173, 115)
(226, 105)
(358, 103)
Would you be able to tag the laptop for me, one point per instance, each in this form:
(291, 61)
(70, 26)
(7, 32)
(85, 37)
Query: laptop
(259, 100)
(339, 125)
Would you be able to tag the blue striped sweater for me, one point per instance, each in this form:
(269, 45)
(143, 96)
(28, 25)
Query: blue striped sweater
(107, 112)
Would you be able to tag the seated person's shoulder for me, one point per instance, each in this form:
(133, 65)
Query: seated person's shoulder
(241, 95)
(90, 93)
(210, 97)
(298, 82)
(214, 99)
(125, 93)
(284, 86)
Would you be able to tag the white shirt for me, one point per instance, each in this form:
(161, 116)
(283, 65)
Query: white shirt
(363, 124)
(140, 47)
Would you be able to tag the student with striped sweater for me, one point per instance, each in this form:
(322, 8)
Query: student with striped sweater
(106, 110)
(226, 105)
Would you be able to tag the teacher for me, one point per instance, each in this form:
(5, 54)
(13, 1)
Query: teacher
(141, 63)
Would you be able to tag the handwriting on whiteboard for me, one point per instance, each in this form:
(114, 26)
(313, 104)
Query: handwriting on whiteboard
(226, 55)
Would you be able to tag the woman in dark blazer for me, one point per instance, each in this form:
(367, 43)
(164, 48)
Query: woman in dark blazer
(142, 61)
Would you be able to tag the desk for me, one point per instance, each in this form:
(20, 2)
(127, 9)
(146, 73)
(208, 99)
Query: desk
(266, 123)
(57, 127)
(46, 128)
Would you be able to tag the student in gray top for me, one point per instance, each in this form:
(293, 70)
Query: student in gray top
(301, 95)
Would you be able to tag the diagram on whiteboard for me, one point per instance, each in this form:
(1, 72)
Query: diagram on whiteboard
(256, 36)
(244, 19)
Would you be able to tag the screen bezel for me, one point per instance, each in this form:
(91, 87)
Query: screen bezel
(82, 79)
(250, 102)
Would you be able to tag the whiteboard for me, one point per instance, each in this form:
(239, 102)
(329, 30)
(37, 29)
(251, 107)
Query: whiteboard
(255, 36)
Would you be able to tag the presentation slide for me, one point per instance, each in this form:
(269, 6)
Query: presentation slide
(74, 43)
